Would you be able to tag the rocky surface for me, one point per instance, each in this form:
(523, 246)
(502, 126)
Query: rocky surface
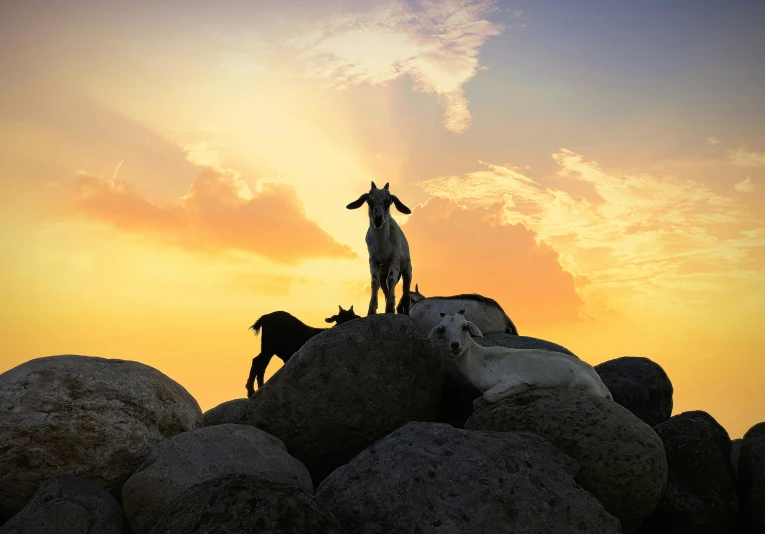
(94, 418)
(430, 477)
(233, 411)
(701, 494)
(639, 385)
(622, 459)
(246, 503)
(751, 479)
(347, 387)
(187, 459)
(70, 505)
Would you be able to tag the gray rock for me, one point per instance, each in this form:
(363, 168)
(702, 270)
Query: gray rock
(93, 418)
(71, 505)
(431, 477)
(175, 465)
(458, 394)
(245, 503)
(700, 495)
(347, 387)
(735, 454)
(640, 385)
(233, 411)
(519, 342)
(622, 459)
(751, 479)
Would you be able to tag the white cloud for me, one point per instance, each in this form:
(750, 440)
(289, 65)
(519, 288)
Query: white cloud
(713, 141)
(437, 46)
(743, 158)
(744, 186)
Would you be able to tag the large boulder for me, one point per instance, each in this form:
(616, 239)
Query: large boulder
(71, 505)
(701, 494)
(640, 385)
(347, 387)
(87, 417)
(458, 394)
(751, 479)
(431, 477)
(187, 459)
(622, 459)
(233, 411)
(246, 503)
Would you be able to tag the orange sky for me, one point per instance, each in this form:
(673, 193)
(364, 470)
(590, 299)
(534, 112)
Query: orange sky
(168, 175)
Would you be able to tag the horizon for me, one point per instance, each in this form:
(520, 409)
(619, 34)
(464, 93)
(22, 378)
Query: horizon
(172, 171)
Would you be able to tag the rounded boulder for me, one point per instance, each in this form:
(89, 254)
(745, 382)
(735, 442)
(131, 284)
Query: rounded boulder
(187, 459)
(640, 385)
(87, 417)
(347, 387)
(701, 491)
(751, 479)
(245, 503)
(233, 411)
(431, 477)
(622, 459)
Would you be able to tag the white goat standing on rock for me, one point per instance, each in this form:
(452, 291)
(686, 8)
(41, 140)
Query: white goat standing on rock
(388, 249)
(500, 372)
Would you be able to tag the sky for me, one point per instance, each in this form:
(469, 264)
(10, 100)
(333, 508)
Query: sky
(171, 171)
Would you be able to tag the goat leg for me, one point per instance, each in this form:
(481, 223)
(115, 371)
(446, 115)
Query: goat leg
(392, 280)
(374, 269)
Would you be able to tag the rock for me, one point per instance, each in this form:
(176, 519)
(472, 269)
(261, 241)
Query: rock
(431, 477)
(233, 411)
(347, 387)
(246, 503)
(458, 394)
(735, 454)
(701, 494)
(193, 457)
(93, 418)
(71, 505)
(519, 342)
(751, 479)
(622, 459)
(639, 385)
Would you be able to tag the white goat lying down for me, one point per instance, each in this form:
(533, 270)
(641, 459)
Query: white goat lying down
(482, 311)
(500, 372)
(389, 259)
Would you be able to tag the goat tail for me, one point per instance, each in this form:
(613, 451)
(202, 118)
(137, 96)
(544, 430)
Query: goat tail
(257, 325)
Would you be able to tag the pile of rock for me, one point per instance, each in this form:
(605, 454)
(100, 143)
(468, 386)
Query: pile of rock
(366, 429)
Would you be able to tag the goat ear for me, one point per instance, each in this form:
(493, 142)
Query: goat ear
(358, 202)
(474, 330)
(433, 332)
(374, 186)
(442, 314)
(461, 312)
(351, 308)
(387, 185)
(399, 205)
(416, 288)
(332, 319)
(339, 308)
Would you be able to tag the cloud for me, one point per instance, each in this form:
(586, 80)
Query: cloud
(458, 250)
(744, 186)
(437, 46)
(713, 141)
(219, 212)
(637, 233)
(743, 158)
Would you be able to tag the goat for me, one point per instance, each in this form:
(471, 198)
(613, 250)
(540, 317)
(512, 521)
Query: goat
(283, 335)
(388, 249)
(484, 312)
(500, 372)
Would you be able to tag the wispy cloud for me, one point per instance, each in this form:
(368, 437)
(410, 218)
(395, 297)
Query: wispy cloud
(219, 212)
(437, 46)
(743, 158)
(744, 186)
(713, 141)
(638, 232)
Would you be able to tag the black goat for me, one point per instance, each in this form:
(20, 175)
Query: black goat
(283, 335)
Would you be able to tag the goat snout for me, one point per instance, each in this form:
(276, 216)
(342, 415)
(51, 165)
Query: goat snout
(456, 347)
(377, 221)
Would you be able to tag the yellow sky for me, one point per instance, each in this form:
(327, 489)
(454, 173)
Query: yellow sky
(158, 194)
